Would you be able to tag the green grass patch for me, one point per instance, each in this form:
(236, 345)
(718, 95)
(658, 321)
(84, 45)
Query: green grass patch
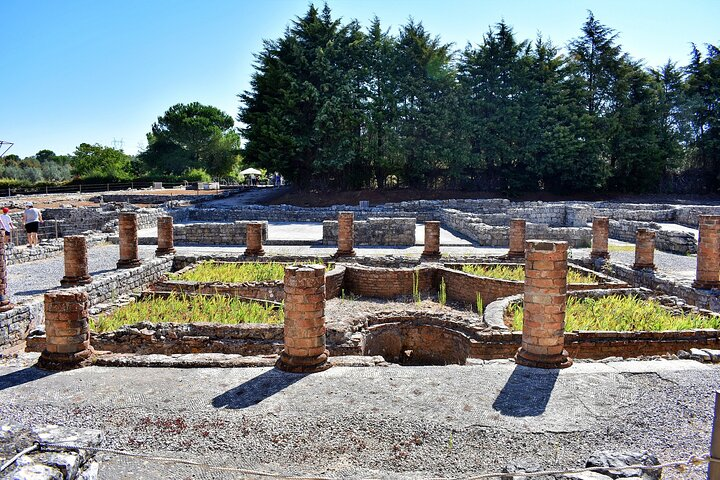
(620, 314)
(621, 248)
(517, 273)
(227, 272)
(188, 309)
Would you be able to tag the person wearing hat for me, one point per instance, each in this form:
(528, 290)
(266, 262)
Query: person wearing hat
(7, 225)
(32, 219)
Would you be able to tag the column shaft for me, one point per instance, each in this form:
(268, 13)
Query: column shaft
(76, 261)
(128, 235)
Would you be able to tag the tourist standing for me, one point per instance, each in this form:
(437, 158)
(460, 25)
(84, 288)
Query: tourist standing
(7, 225)
(32, 219)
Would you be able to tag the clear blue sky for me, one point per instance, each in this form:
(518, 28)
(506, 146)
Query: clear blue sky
(92, 71)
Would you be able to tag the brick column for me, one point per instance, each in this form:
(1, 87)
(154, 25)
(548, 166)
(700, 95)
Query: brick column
(5, 304)
(432, 240)
(254, 240)
(708, 256)
(129, 257)
(304, 350)
(165, 239)
(543, 336)
(517, 238)
(345, 235)
(644, 249)
(600, 232)
(67, 334)
(76, 262)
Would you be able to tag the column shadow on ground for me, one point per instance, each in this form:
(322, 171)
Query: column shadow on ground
(20, 377)
(526, 392)
(257, 389)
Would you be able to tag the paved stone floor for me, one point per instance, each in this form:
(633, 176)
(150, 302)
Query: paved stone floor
(373, 422)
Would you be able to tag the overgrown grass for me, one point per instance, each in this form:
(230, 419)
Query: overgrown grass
(517, 273)
(188, 309)
(620, 313)
(237, 272)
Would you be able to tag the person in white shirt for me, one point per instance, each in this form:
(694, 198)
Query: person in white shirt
(32, 219)
(7, 225)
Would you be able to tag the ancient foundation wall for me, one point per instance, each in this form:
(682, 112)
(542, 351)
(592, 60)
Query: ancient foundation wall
(388, 282)
(682, 243)
(374, 231)
(214, 233)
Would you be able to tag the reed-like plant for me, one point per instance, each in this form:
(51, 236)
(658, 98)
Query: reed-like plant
(416, 286)
(479, 303)
(621, 313)
(229, 272)
(517, 273)
(179, 308)
(442, 293)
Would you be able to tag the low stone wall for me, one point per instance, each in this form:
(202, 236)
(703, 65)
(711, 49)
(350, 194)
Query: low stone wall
(259, 290)
(474, 227)
(465, 287)
(374, 231)
(16, 323)
(287, 213)
(597, 345)
(682, 243)
(334, 280)
(214, 233)
(382, 282)
(139, 198)
(169, 338)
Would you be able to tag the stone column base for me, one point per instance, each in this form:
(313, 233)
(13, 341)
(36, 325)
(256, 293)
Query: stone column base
(528, 359)
(430, 256)
(706, 285)
(254, 253)
(128, 263)
(65, 361)
(159, 252)
(346, 253)
(75, 281)
(516, 255)
(600, 255)
(644, 266)
(292, 364)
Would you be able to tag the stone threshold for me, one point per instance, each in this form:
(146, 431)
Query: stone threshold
(219, 360)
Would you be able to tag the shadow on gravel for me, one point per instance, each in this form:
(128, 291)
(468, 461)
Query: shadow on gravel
(26, 375)
(527, 392)
(30, 293)
(257, 389)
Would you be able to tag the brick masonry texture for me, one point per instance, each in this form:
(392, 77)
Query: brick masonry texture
(432, 240)
(67, 332)
(708, 259)
(345, 234)
(76, 262)
(304, 330)
(600, 235)
(165, 236)
(517, 238)
(544, 300)
(644, 248)
(128, 235)
(253, 237)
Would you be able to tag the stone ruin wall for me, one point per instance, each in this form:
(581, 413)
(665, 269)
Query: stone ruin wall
(215, 233)
(374, 231)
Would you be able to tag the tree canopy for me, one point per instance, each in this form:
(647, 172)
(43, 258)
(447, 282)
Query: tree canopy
(334, 104)
(192, 136)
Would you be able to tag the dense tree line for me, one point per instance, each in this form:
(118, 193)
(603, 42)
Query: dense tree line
(335, 104)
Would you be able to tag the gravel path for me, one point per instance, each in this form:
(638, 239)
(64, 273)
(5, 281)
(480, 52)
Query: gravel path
(34, 278)
(374, 422)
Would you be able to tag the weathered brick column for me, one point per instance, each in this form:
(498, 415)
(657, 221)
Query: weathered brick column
(67, 334)
(708, 256)
(600, 232)
(543, 340)
(304, 350)
(432, 240)
(129, 253)
(165, 239)
(76, 262)
(517, 238)
(5, 304)
(644, 249)
(254, 240)
(346, 235)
